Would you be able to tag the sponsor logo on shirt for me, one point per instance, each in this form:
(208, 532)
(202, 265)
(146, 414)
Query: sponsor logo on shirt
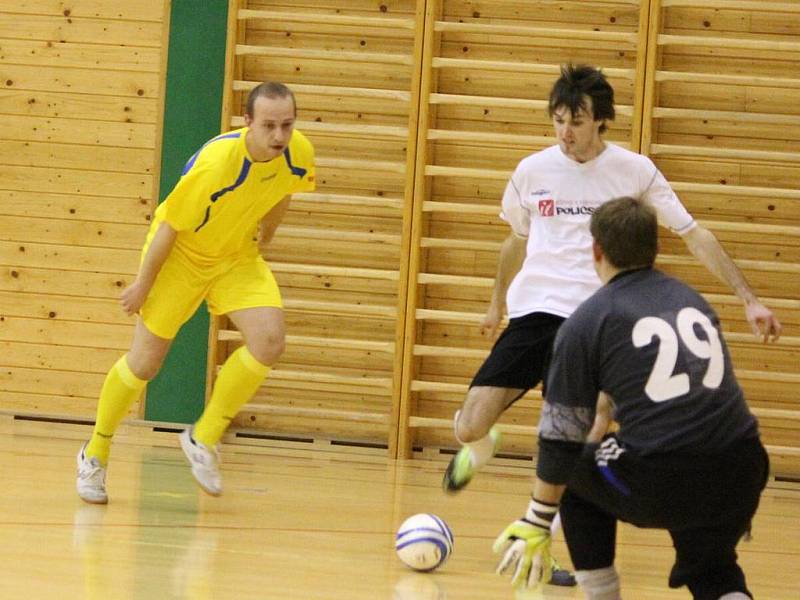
(575, 210)
(546, 207)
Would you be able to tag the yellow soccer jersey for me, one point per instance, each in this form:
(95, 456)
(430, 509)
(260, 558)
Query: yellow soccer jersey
(223, 194)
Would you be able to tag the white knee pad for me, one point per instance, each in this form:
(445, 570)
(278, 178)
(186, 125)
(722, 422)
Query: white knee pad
(599, 584)
(735, 596)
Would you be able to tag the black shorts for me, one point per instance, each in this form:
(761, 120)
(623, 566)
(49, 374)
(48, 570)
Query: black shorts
(521, 355)
(706, 502)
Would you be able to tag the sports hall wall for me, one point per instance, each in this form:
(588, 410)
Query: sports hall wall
(420, 110)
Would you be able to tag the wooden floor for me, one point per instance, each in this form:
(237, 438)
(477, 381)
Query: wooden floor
(294, 523)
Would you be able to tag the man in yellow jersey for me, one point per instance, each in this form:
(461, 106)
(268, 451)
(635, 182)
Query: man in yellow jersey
(202, 246)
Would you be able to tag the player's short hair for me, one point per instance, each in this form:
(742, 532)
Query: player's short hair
(627, 231)
(269, 89)
(575, 84)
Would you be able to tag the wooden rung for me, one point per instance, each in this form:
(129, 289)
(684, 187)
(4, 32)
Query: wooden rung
(724, 153)
(628, 39)
(390, 23)
(437, 423)
(745, 80)
(361, 165)
(727, 43)
(499, 139)
(776, 413)
(332, 55)
(438, 386)
(773, 303)
(340, 308)
(531, 431)
(724, 115)
(344, 129)
(495, 139)
(759, 228)
(759, 6)
(330, 90)
(279, 374)
(313, 233)
(348, 200)
(426, 350)
(465, 280)
(518, 67)
(467, 173)
(463, 99)
(749, 338)
(734, 190)
(495, 101)
(321, 414)
(231, 335)
(485, 246)
(335, 271)
(771, 376)
(461, 208)
(447, 316)
(756, 265)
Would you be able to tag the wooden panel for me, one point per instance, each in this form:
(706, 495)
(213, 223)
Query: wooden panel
(338, 259)
(723, 128)
(80, 102)
(475, 88)
(63, 28)
(64, 104)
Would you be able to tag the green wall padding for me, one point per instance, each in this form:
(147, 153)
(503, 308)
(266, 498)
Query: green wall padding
(195, 77)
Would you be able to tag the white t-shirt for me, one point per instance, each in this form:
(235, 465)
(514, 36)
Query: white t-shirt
(550, 199)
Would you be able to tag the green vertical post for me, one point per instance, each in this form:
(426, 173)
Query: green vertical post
(192, 112)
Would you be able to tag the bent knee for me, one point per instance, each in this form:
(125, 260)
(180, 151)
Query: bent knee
(268, 348)
(145, 367)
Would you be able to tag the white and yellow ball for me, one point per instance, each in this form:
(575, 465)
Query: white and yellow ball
(423, 542)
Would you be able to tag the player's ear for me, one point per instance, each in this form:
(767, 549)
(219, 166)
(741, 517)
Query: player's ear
(248, 119)
(597, 251)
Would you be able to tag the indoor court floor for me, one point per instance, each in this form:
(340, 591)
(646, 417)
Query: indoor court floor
(296, 521)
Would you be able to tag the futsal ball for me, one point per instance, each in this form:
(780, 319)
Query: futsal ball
(423, 542)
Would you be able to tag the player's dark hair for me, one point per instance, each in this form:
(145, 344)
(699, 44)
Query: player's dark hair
(269, 89)
(575, 84)
(627, 231)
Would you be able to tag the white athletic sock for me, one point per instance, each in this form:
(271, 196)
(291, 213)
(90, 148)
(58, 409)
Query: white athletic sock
(555, 526)
(599, 584)
(481, 450)
(735, 596)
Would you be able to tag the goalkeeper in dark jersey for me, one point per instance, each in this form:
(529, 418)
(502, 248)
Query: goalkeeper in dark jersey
(687, 456)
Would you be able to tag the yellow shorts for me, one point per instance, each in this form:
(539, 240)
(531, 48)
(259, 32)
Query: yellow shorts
(180, 288)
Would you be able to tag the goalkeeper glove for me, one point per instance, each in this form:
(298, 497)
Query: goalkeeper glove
(527, 543)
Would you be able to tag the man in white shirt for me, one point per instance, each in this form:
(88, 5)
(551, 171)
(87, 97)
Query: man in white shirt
(545, 267)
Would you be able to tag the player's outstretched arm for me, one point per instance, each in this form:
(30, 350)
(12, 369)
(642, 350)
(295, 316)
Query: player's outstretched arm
(133, 296)
(512, 255)
(705, 246)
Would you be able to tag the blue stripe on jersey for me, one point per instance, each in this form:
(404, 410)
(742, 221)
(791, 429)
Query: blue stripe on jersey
(299, 171)
(218, 194)
(191, 161)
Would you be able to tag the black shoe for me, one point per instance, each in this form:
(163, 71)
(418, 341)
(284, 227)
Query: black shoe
(458, 473)
(561, 577)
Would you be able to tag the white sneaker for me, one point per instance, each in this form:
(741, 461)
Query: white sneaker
(204, 462)
(91, 482)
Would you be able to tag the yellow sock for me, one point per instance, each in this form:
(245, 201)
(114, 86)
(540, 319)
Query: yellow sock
(120, 389)
(237, 382)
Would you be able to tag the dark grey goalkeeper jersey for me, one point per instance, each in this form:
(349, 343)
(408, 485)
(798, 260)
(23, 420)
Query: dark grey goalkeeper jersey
(654, 344)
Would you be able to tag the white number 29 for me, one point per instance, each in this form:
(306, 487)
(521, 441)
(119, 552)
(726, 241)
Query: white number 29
(662, 385)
